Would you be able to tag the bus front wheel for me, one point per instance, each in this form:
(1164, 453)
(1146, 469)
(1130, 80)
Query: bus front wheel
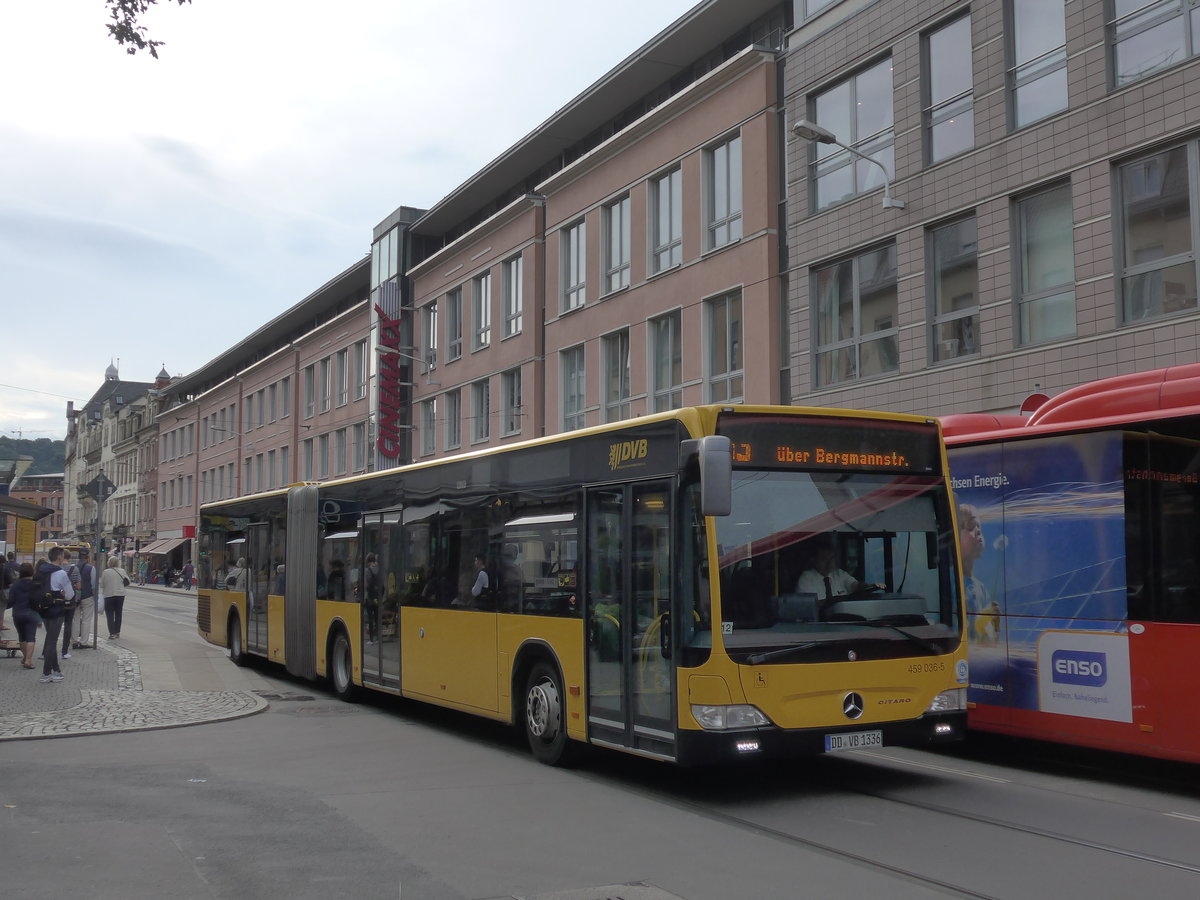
(545, 725)
(237, 652)
(341, 668)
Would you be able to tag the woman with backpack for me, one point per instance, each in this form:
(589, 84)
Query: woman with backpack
(24, 619)
(113, 583)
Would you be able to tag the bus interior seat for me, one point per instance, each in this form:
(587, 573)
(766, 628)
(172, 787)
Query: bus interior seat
(796, 607)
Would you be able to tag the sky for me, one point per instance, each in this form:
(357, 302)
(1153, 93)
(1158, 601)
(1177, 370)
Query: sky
(155, 211)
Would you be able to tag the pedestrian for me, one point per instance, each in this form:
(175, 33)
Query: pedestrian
(188, 571)
(24, 619)
(57, 580)
(85, 612)
(113, 583)
(68, 616)
(6, 583)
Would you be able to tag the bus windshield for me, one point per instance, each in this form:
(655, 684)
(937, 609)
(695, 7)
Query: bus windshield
(816, 565)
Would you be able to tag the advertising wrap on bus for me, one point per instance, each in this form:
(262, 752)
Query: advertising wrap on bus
(1043, 543)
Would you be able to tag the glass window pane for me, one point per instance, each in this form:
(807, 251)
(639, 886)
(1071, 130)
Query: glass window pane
(835, 186)
(955, 266)
(1040, 26)
(1047, 241)
(1048, 318)
(1149, 51)
(832, 109)
(958, 337)
(949, 61)
(1158, 293)
(954, 135)
(1157, 211)
(879, 356)
(1043, 97)
(835, 303)
(873, 109)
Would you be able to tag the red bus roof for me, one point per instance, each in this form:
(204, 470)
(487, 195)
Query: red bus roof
(1157, 394)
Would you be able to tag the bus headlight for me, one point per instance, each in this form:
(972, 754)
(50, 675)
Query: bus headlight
(952, 700)
(723, 718)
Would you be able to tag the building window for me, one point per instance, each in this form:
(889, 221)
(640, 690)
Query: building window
(723, 192)
(482, 311)
(572, 388)
(285, 471)
(856, 309)
(341, 371)
(859, 113)
(510, 408)
(616, 245)
(308, 459)
(1046, 248)
(247, 419)
(453, 419)
(616, 376)
(1147, 37)
(668, 361)
(323, 456)
(429, 328)
(454, 325)
(1158, 276)
(812, 7)
(666, 224)
(361, 370)
(272, 403)
(954, 289)
(285, 397)
(310, 391)
(260, 473)
(428, 424)
(359, 440)
(339, 451)
(481, 410)
(950, 102)
(1037, 79)
(573, 266)
(323, 384)
(514, 303)
(725, 367)
(271, 482)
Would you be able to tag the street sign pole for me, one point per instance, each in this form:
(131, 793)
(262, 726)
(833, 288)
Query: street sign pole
(99, 563)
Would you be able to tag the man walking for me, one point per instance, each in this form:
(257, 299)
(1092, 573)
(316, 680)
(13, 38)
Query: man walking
(58, 581)
(68, 619)
(85, 612)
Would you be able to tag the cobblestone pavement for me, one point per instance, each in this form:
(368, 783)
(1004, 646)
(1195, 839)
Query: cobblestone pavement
(102, 692)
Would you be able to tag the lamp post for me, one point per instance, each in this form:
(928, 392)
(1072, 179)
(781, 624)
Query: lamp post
(811, 131)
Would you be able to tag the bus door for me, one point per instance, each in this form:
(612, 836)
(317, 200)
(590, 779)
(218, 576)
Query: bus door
(628, 590)
(257, 580)
(379, 587)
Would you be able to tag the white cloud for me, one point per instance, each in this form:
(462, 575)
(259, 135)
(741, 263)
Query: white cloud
(160, 210)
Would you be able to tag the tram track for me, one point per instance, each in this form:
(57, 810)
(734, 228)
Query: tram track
(673, 795)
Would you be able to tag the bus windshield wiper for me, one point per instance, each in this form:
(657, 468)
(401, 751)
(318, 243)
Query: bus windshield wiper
(927, 645)
(755, 658)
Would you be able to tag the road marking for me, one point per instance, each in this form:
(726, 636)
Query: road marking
(1189, 818)
(917, 765)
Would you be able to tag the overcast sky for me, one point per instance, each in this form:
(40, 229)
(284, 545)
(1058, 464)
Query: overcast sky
(154, 212)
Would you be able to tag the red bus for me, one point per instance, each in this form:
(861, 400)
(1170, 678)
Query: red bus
(1080, 536)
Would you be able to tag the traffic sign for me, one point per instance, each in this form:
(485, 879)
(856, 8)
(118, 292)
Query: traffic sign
(100, 488)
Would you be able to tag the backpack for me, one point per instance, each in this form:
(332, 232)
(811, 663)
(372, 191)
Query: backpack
(85, 581)
(44, 600)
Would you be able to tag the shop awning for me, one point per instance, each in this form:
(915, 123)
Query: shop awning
(165, 546)
(23, 509)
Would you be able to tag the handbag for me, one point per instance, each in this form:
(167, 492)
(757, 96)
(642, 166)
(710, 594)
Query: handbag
(125, 581)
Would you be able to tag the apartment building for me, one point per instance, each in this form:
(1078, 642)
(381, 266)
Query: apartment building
(1045, 152)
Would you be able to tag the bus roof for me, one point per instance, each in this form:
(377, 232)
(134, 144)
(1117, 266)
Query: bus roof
(1167, 393)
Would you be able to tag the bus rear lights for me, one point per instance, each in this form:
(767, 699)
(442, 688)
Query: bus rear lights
(747, 746)
(725, 718)
(953, 700)
(943, 729)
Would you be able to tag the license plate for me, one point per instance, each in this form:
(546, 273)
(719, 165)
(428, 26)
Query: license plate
(854, 740)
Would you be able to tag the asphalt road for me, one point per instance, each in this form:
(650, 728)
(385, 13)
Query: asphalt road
(389, 799)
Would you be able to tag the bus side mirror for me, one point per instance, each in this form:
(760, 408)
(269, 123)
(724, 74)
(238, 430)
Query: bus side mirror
(716, 473)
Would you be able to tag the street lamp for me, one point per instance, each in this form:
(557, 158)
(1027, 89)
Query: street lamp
(811, 131)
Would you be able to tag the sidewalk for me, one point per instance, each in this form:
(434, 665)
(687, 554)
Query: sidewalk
(104, 691)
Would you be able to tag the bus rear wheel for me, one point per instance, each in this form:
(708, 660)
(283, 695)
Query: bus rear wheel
(237, 652)
(545, 725)
(341, 668)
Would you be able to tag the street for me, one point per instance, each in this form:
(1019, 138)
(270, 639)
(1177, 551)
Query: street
(391, 799)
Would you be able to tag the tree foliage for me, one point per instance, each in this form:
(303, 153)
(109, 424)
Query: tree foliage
(49, 457)
(125, 29)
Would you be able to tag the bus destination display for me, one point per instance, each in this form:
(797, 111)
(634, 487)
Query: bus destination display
(770, 442)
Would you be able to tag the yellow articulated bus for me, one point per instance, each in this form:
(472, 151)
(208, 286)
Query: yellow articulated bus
(698, 586)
